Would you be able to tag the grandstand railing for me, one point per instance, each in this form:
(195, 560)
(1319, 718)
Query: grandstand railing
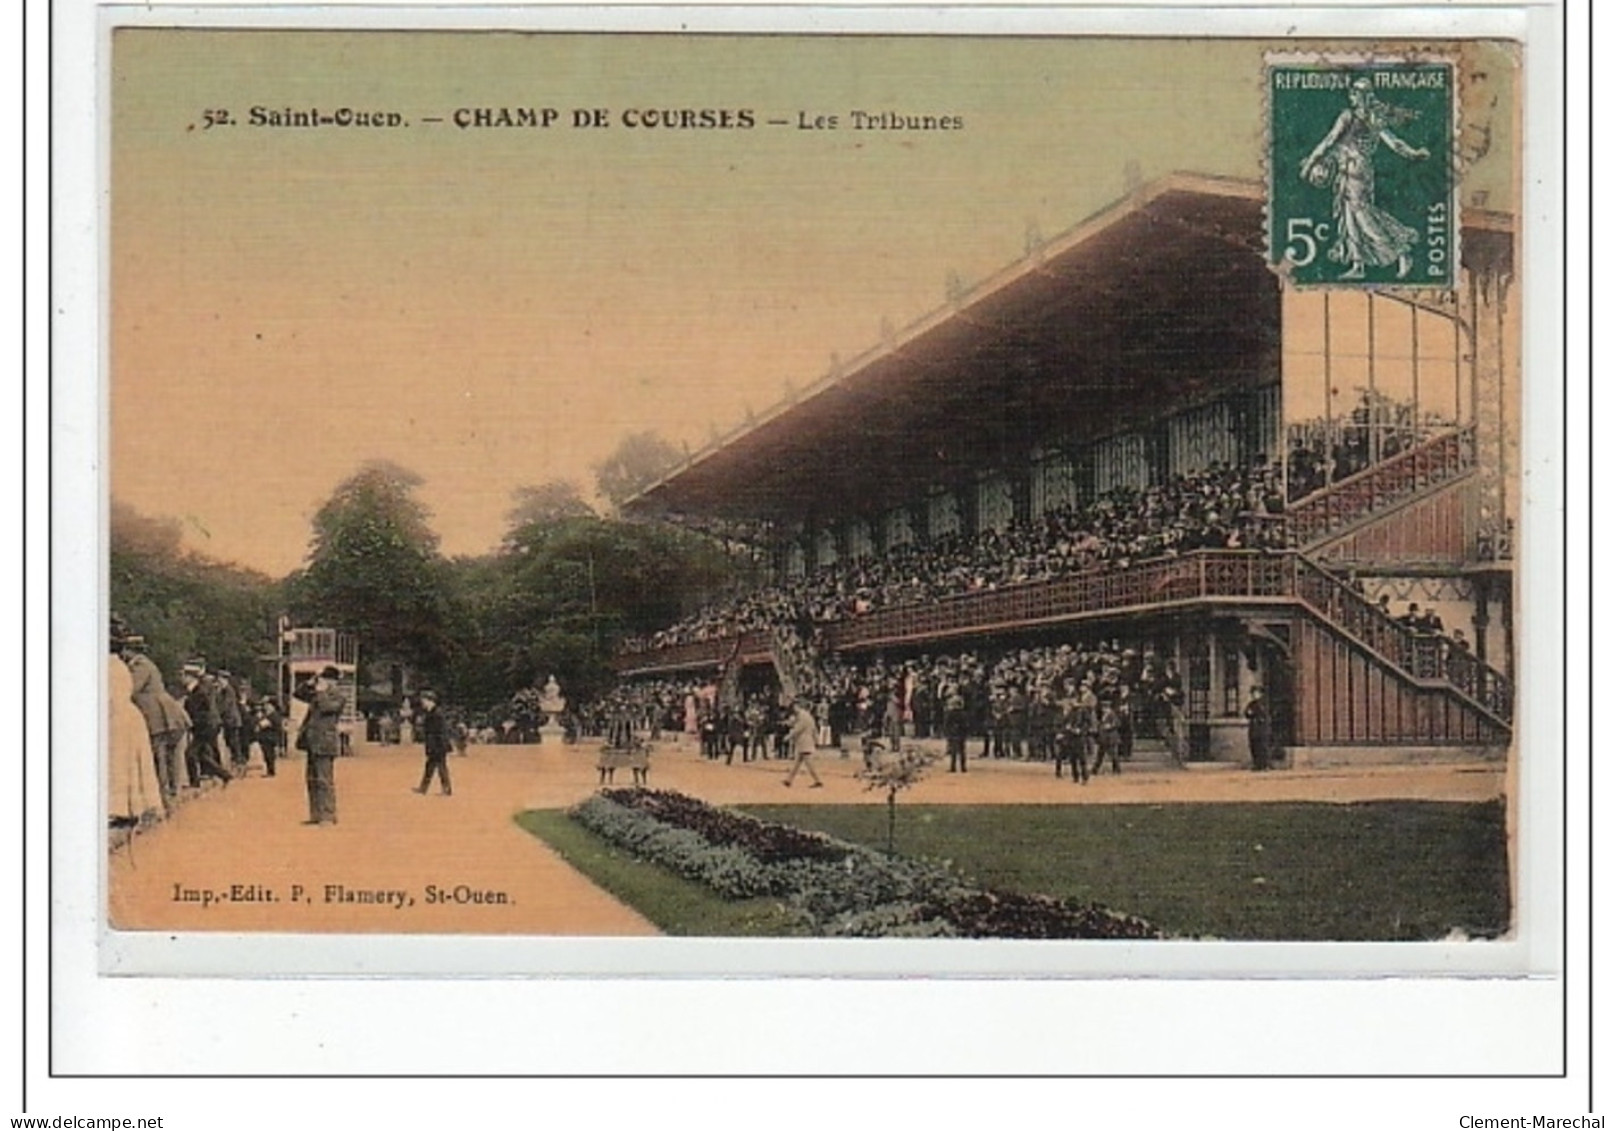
(1193, 576)
(713, 652)
(1435, 461)
(1198, 576)
(1202, 575)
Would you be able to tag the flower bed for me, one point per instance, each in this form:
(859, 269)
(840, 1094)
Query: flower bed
(768, 842)
(731, 872)
(836, 888)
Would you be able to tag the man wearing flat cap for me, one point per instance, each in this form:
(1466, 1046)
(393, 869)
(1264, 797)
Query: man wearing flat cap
(320, 739)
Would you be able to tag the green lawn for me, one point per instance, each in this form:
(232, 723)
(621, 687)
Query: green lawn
(1374, 871)
(1377, 870)
(677, 906)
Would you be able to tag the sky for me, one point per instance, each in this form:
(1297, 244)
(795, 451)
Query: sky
(497, 307)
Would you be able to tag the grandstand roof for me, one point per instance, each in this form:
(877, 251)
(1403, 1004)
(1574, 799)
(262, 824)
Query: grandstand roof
(1158, 301)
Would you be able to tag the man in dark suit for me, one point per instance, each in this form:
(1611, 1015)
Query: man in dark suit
(202, 705)
(322, 743)
(434, 730)
(955, 723)
(230, 721)
(1261, 730)
(268, 731)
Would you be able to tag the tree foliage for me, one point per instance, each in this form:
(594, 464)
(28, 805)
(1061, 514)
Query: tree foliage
(551, 501)
(557, 597)
(373, 568)
(638, 461)
(186, 604)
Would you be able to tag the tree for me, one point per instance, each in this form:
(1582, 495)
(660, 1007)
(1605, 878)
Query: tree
(183, 603)
(373, 568)
(553, 501)
(904, 770)
(640, 459)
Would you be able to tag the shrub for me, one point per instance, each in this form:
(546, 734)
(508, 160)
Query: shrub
(1000, 915)
(765, 840)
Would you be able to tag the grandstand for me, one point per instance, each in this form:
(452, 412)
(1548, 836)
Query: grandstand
(1138, 433)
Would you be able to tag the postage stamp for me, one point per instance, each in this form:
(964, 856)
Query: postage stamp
(1362, 178)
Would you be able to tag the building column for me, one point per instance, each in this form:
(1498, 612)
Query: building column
(1483, 617)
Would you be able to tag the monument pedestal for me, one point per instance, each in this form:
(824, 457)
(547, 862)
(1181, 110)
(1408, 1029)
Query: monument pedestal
(552, 704)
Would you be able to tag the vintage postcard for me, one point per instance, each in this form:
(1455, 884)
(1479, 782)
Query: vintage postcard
(896, 487)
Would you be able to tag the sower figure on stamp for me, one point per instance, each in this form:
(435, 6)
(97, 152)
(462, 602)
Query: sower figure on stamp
(434, 731)
(1365, 234)
(320, 741)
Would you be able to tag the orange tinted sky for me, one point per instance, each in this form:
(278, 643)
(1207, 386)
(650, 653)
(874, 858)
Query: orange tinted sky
(495, 308)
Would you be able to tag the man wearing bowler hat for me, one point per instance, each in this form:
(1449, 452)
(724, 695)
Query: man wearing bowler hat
(320, 740)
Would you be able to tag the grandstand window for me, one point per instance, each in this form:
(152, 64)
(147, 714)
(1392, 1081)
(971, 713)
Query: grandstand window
(1120, 462)
(859, 543)
(824, 547)
(1199, 438)
(995, 503)
(1197, 665)
(1052, 483)
(1230, 681)
(944, 513)
(899, 529)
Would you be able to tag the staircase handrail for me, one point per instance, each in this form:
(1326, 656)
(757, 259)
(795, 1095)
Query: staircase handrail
(1436, 460)
(1424, 656)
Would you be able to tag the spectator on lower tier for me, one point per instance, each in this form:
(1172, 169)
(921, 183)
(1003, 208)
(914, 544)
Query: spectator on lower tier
(954, 725)
(1260, 733)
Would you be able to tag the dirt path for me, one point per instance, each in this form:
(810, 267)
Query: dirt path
(460, 864)
(494, 877)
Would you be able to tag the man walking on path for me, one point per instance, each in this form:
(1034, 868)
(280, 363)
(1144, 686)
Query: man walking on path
(269, 730)
(321, 742)
(202, 752)
(804, 741)
(435, 735)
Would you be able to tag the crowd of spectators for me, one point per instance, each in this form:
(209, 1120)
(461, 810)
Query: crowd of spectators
(1327, 450)
(1016, 702)
(1223, 507)
(167, 740)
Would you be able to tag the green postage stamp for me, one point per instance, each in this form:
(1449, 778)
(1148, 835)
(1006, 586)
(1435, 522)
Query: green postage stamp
(1361, 180)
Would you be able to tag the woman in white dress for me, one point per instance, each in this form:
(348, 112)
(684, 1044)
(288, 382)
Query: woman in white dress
(132, 792)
